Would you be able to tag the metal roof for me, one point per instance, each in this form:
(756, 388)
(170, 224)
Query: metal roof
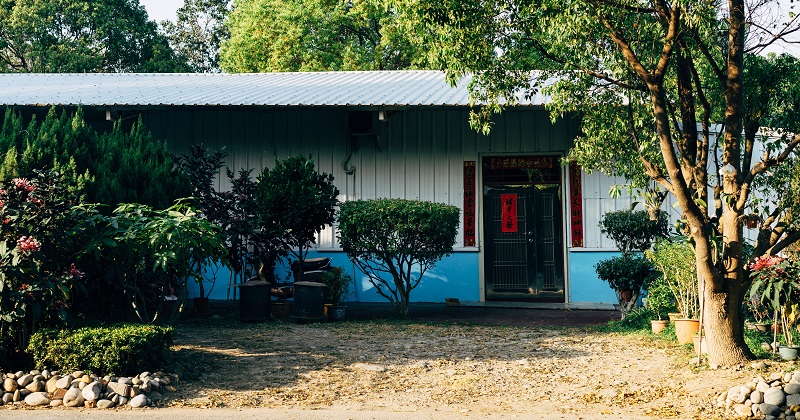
(356, 88)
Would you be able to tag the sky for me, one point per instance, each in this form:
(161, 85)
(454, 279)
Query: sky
(159, 10)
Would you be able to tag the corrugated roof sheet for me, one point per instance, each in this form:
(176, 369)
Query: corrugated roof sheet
(357, 88)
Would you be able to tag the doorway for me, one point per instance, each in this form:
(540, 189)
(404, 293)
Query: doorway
(523, 224)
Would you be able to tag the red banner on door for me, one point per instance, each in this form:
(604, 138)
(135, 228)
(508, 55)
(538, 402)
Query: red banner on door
(509, 213)
(469, 203)
(576, 204)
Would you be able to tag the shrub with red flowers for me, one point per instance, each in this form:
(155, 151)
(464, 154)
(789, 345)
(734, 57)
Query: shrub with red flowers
(37, 250)
(776, 282)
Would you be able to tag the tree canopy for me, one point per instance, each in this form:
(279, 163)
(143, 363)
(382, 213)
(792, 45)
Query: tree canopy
(197, 33)
(316, 35)
(79, 36)
(669, 93)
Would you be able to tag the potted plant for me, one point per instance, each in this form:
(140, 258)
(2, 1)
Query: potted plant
(294, 202)
(337, 284)
(775, 281)
(632, 232)
(759, 312)
(659, 301)
(675, 260)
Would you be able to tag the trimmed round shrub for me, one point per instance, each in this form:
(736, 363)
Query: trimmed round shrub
(120, 349)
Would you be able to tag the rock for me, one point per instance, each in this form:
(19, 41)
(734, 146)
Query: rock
(59, 393)
(125, 380)
(115, 399)
(47, 374)
(138, 401)
(743, 410)
(65, 382)
(145, 387)
(123, 400)
(73, 398)
(35, 386)
(372, 368)
(774, 396)
(769, 409)
(791, 388)
(136, 381)
(757, 397)
(8, 397)
(10, 385)
(18, 395)
(793, 400)
(56, 403)
(170, 388)
(86, 379)
(24, 392)
(134, 392)
(155, 395)
(762, 386)
(91, 392)
(144, 375)
(24, 380)
(90, 404)
(36, 399)
(50, 386)
(77, 374)
(154, 384)
(105, 404)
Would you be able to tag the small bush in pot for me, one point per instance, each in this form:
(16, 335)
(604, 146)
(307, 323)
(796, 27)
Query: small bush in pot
(337, 284)
(632, 232)
(675, 260)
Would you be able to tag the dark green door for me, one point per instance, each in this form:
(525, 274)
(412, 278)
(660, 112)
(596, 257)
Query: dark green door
(525, 250)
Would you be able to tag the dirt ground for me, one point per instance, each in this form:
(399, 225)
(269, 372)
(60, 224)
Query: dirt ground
(475, 365)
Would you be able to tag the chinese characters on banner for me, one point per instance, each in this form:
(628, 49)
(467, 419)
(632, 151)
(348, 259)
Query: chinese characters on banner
(469, 203)
(509, 212)
(530, 162)
(576, 205)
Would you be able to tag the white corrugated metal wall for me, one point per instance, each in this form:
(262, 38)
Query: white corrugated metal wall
(420, 154)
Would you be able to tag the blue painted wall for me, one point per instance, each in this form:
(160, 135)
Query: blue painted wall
(455, 276)
(585, 286)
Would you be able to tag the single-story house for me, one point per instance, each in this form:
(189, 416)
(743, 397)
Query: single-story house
(529, 225)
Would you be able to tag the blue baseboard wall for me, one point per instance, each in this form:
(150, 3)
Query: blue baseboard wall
(455, 276)
(585, 286)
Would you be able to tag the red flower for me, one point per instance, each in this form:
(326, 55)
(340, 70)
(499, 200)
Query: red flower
(23, 184)
(765, 261)
(74, 272)
(28, 244)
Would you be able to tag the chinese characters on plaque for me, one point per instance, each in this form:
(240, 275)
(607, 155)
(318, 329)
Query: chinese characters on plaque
(508, 218)
(469, 203)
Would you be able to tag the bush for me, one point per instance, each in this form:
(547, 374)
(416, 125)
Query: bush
(110, 168)
(337, 284)
(391, 237)
(295, 203)
(625, 272)
(675, 260)
(633, 230)
(122, 349)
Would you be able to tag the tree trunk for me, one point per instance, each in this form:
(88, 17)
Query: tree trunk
(723, 327)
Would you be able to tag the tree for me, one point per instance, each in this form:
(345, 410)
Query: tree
(197, 33)
(77, 36)
(316, 35)
(650, 79)
(294, 203)
(393, 237)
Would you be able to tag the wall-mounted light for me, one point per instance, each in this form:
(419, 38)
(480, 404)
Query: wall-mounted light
(381, 115)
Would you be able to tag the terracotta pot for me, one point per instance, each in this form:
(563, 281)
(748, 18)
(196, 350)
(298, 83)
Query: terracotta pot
(674, 315)
(658, 325)
(697, 343)
(685, 329)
